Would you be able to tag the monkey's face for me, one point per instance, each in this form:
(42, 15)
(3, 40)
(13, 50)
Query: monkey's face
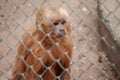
(59, 27)
(56, 27)
(55, 22)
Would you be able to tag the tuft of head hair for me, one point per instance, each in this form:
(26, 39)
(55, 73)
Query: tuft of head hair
(49, 12)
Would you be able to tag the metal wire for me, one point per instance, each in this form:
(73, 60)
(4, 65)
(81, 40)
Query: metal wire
(95, 54)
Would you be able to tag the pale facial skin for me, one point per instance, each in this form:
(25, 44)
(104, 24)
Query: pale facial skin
(56, 21)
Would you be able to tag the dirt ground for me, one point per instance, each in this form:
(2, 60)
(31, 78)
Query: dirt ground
(88, 63)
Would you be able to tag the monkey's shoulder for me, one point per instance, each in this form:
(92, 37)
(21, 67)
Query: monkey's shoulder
(32, 35)
(33, 32)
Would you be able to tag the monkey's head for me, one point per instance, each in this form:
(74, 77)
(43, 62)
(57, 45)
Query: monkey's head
(53, 20)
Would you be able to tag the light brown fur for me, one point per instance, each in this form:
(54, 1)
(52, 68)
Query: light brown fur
(38, 52)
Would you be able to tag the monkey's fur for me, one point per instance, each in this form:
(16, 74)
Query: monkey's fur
(46, 51)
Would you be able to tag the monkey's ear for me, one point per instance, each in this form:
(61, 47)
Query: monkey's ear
(38, 17)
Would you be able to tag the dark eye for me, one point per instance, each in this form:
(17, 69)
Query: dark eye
(63, 22)
(56, 23)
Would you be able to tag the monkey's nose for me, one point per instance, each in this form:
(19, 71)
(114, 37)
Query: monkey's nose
(62, 29)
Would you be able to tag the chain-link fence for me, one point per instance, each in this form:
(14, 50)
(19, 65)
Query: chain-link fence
(95, 51)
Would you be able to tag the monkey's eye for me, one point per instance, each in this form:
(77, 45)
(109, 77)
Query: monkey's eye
(63, 22)
(56, 23)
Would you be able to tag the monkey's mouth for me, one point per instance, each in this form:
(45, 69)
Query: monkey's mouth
(61, 35)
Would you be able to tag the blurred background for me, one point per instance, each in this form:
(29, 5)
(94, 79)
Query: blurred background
(95, 28)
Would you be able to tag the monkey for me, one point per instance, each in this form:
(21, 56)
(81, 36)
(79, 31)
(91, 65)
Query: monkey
(45, 51)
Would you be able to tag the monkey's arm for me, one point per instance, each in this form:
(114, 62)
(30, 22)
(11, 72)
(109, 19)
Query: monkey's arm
(20, 65)
(24, 57)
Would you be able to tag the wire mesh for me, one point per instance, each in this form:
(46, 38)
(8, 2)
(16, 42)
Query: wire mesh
(95, 55)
